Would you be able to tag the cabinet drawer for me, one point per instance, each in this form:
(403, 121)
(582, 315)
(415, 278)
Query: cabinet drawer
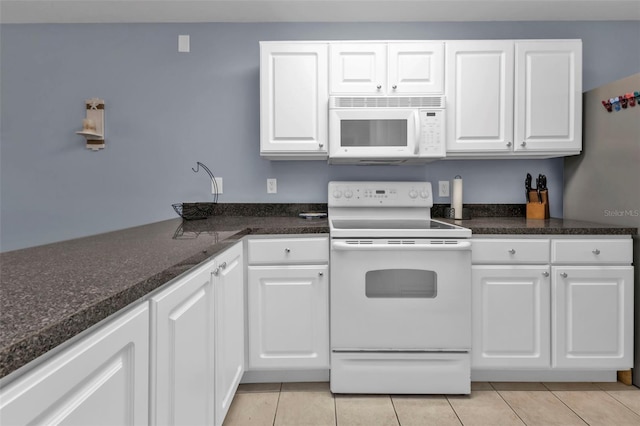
(288, 250)
(592, 251)
(506, 251)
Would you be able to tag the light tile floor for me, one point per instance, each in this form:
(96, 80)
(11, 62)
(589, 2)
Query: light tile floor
(490, 404)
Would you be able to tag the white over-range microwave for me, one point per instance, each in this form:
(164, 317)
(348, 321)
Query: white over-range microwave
(386, 130)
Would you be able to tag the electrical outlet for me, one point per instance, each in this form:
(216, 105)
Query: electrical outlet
(218, 184)
(443, 188)
(272, 186)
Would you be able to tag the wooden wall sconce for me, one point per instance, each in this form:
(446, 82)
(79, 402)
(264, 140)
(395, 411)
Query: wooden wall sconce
(93, 124)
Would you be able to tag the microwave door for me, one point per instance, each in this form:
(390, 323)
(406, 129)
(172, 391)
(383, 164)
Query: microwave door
(373, 133)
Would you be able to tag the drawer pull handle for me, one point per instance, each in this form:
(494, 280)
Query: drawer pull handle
(287, 250)
(216, 272)
(223, 265)
(596, 252)
(563, 275)
(512, 251)
(545, 274)
(321, 274)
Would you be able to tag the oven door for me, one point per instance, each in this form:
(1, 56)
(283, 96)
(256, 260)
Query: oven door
(400, 295)
(374, 133)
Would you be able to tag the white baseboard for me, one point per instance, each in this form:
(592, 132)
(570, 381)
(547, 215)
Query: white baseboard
(285, 376)
(543, 376)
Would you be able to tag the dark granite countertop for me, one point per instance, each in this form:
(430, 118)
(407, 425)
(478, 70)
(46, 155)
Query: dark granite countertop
(523, 226)
(51, 293)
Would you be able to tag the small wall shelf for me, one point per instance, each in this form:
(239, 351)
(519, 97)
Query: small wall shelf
(93, 124)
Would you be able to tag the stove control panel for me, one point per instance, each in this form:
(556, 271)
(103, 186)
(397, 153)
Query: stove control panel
(385, 194)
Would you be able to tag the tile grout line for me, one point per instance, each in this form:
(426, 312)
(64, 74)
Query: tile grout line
(453, 409)
(394, 410)
(509, 405)
(335, 407)
(275, 414)
(614, 397)
(564, 403)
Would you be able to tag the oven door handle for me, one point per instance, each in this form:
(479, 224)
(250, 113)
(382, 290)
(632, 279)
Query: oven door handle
(345, 246)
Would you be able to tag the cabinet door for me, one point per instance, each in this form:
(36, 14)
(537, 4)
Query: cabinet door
(480, 96)
(416, 68)
(592, 323)
(228, 283)
(103, 379)
(182, 359)
(511, 317)
(288, 317)
(358, 68)
(293, 99)
(548, 93)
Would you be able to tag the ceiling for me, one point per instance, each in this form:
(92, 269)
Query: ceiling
(103, 11)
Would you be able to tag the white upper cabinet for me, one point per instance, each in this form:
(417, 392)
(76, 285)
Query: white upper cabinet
(514, 98)
(293, 100)
(548, 93)
(480, 96)
(394, 68)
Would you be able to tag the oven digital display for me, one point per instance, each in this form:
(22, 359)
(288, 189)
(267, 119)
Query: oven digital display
(380, 191)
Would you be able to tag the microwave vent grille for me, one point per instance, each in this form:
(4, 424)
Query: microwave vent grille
(388, 102)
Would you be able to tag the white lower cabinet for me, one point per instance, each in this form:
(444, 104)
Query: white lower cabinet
(559, 304)
(288, 303)
(511, 316)
(198, 349)
(593, 317)
(103, 379)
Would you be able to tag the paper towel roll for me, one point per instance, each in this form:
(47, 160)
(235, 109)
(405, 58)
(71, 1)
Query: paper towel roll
(456, 197)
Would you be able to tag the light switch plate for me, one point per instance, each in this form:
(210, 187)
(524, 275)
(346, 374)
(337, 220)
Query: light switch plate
(184, 44)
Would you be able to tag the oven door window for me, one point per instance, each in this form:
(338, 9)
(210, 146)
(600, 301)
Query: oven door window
(373, 133)
(401, 283)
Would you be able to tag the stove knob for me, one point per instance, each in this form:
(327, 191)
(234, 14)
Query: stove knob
(337, 193)
(413, 193)
(424, 193)
(348, 193)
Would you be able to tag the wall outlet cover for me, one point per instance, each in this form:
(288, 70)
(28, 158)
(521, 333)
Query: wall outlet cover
(272, 186)
(443, 188)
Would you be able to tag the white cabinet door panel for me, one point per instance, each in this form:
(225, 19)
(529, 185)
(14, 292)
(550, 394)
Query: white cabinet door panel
(548, 93)
(593, 317)
(293, 98)
(228, 283)
(416, 68)
(103, 379)
(288, 317)
(183, 366)
(511, 317)
(480, 96)
(358, 68)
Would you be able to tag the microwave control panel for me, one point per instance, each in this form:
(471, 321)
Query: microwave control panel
(432, 135)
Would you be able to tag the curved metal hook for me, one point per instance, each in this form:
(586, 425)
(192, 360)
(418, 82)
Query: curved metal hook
(213, 179)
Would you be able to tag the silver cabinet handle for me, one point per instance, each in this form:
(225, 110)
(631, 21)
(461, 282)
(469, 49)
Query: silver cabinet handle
(321, 274)
(563, 275)
(509, 144)
(379, 87)
(394, 87)
(287, 250)
(523, 143)
(545, 274)
(223, 265)
(216, 272)
(512, 251)
(321, 145)
(596, 252)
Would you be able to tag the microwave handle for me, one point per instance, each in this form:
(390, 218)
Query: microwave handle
(416, 123)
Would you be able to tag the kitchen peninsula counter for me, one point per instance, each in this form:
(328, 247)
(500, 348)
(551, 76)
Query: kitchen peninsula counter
(51, 293)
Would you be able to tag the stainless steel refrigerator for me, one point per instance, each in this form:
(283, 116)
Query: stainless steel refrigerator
(603, 183)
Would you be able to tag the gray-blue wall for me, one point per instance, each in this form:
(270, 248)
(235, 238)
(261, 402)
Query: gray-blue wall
(166, 110)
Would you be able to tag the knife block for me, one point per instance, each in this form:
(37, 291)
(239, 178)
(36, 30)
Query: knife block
(536, 209)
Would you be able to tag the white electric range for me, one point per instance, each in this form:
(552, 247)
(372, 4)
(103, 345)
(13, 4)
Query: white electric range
(400, 292)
